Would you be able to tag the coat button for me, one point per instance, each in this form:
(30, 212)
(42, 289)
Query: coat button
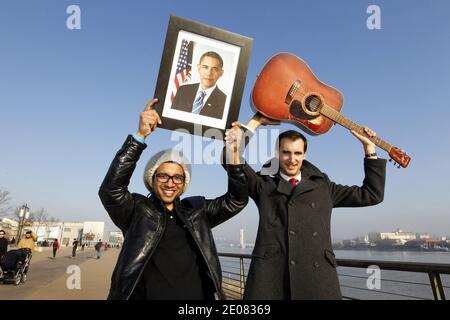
(291, 232)
(313, 204)
(292, 262)
(316, 264)
(315, 233)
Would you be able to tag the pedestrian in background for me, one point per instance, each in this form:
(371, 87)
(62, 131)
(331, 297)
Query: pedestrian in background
(98, 248)
(56, 246)
(3, 243)
(28, 241)
(74, 247)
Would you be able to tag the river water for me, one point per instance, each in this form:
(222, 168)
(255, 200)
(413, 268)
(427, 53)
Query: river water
(358, 283)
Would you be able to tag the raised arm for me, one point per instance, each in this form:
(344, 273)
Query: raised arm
(231, 203)
(113, 193)
(246, 132)
(236, 198)
(372, 190)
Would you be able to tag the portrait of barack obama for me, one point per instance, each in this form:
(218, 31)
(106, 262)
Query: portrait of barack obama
(204, 98)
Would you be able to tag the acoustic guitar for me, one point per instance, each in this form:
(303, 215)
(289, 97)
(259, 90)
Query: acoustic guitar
(287, 90)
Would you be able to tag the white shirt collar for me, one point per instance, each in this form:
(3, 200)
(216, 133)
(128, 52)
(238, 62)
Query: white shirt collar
(285, 177)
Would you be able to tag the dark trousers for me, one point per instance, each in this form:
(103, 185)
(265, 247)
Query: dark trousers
(74, 251)
(54, 252)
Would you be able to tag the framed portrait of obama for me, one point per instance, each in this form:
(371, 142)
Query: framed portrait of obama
(201, 77)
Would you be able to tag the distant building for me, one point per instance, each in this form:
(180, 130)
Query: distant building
(241, 238)
(11, 227)
(65, 232)
(93, 231)
(374, 237)
(399, 236)
(116, 237)
(424, 236)
(362, 239)
(348, 243)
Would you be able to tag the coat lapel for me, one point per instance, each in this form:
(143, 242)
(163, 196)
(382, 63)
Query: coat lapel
(304, 186)
(286, 188)
(309, 176)
(283, 186)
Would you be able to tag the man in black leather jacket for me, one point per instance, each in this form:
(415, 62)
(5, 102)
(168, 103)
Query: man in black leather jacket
(169, 250)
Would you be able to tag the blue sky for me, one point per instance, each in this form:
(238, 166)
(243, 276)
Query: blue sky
(68, 98)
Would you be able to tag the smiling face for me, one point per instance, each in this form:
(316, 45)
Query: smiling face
(291, 155)
(168, 190)
(210, 71)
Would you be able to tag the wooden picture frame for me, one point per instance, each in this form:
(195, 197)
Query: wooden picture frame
(221, 74)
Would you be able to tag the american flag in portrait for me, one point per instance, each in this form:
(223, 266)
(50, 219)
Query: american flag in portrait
(184, 66)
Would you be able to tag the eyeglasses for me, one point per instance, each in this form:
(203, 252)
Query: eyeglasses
(164, 177)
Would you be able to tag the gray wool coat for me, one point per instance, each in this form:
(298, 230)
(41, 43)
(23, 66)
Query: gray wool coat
(293, 256)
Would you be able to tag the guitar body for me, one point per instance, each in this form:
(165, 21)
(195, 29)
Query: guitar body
(285, 90)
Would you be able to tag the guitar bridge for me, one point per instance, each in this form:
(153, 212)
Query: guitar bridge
(295, 86)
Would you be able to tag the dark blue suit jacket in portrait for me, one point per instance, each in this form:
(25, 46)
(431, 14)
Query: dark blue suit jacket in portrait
(213, 107)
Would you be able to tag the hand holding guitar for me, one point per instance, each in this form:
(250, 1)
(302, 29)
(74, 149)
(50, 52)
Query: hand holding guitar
(369, 146)
(259, 119)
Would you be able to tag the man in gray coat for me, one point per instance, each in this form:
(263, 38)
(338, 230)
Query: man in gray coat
(293, 256)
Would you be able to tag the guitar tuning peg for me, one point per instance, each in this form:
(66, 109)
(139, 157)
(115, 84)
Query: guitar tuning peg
(390, 160)
(398, 166)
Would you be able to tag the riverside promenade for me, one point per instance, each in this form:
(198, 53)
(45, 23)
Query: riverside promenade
(54, 279)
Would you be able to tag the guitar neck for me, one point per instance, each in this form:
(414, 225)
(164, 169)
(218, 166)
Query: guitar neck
(347, 123)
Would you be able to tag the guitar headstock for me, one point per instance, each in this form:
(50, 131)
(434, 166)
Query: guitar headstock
(400, 157)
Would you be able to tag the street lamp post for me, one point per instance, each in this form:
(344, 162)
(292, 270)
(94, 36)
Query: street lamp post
(62, 231)
(24, 213)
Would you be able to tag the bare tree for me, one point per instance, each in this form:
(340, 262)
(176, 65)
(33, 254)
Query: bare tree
(4, 201)
(48, 223)
(17, 217)
(26, 223)
(89, 236)
(40, 217)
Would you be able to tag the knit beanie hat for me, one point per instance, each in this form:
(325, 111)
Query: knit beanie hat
(168, 155)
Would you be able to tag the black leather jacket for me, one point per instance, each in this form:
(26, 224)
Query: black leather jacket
(142, 219)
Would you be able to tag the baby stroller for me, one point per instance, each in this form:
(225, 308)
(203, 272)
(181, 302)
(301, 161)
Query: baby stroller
(14, 266)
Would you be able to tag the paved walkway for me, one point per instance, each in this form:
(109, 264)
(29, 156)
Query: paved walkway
(47, 277)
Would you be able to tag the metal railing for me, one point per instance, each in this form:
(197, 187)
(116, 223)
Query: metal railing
(235, 269)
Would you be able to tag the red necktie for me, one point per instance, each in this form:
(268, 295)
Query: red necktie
(293, 181)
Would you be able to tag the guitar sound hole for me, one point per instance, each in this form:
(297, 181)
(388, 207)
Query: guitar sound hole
(296, 110)
(313, 103)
